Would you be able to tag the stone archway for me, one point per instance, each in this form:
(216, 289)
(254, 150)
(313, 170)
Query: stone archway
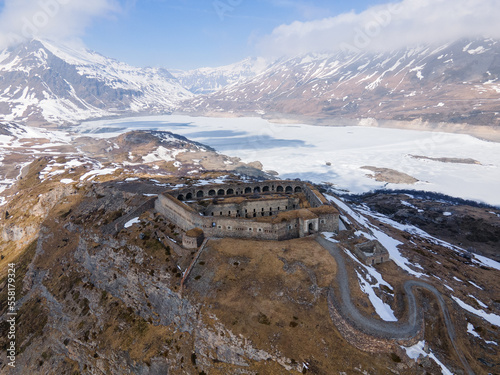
(279, 189)
(289, 189)
(265, 189)
(248, 190)
(230, 192)
(211, 193)
(180, 197)
(298, 189)
(200, 194)
(221, 192)
(189, 196)
(256, 189)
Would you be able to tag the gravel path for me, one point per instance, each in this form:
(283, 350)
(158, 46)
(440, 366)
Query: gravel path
(379, 328)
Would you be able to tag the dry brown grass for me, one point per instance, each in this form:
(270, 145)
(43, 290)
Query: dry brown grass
(252, 295)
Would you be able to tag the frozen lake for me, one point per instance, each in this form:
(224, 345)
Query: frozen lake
(303, 151)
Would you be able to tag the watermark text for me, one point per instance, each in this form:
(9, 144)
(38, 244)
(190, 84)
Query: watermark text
(11, 315)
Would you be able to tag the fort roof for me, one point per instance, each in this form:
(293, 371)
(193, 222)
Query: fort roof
(324, 210)
(223, 200)
(236, 200)
(317, 193)
(195, 232)
(303, 213)
(178, 202)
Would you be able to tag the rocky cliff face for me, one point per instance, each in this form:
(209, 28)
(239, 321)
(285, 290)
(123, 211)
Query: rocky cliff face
(457, 82)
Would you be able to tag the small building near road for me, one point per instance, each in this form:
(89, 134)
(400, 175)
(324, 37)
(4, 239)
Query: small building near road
(371, 252)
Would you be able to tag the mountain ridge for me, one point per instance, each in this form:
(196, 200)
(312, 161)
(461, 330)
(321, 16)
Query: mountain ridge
(456, 83)
(44, 82)
(208, 80)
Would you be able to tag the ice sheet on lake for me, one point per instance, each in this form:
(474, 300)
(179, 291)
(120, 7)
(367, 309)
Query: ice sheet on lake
(305, 151)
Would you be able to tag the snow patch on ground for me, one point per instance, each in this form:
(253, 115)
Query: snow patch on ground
(472, 331)
(417, 350)
(482, 260)
(162, 154)
(474, 284)
(129, 223)
(382, 309)
(387, 241)
(490, 318)
(328, 236)
(219, 180)
(407, 204)
(483, 305)
(101, 172)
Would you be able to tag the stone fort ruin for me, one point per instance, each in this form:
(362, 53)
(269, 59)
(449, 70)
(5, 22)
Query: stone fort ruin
(371, 252)
(269, 210)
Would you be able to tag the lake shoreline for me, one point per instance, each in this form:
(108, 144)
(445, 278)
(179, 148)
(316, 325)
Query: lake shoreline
(336, 154)
(483, 132)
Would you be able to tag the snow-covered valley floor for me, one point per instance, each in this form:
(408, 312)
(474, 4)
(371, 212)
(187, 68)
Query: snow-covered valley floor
(336, 154)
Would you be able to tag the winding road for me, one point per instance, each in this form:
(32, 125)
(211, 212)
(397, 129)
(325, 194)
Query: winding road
(383, 329)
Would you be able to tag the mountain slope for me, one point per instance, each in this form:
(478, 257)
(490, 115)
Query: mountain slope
(43, 82)
(208, 80)
(457, 82)
(98, 289)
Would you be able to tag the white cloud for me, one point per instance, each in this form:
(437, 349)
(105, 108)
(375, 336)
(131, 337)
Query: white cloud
(55, 19)
(388, 26)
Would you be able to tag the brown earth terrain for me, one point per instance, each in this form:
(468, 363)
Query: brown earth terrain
(95, 297)
(390, 176)
(473, 228)
(447, 160)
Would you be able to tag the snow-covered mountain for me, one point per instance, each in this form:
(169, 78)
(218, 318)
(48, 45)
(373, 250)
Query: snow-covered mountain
(208, 80)
(45, 82)
(456, 82)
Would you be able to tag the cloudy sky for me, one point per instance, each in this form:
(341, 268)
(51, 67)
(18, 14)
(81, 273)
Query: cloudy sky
(193, 33)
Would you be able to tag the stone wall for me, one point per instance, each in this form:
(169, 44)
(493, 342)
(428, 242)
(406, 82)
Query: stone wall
(252, 208)
(241, 228)
(363, 341)
(329, 223)
(179, 213)
(240, 188)
(371, 252)
(314, 197)
(118, 224)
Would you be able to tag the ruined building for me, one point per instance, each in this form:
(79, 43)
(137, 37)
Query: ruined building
(269, 210)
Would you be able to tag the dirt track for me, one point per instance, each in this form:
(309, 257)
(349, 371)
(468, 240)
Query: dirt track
(382, 329)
